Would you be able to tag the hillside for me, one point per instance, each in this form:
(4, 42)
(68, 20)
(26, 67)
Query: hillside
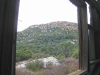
(48, 38)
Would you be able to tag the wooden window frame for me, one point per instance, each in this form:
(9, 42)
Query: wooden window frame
(83, 37)
(8, 31)
(85, 59)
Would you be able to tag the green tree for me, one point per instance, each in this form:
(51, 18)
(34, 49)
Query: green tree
(23, 55)
(75, 53)
(66, 48)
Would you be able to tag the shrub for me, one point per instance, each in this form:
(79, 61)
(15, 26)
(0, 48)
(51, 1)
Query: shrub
(67, 65)
(57, 70)
(23, 55)
(71, 63)
(49, 65)
(74, 53)
(34, 65)
(40, 55)
(59, 57)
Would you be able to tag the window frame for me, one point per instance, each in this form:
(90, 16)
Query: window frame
(8, 31)
(83, 33)
(87, 64)
(83, 37)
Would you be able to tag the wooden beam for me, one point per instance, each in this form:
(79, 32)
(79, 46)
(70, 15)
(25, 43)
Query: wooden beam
(94, 62)
(94, 22)
(98, 1)
(78, 3)
(79, 72)
(83, 37)
(96, 70)
(94, 3)
(92, 28)
(8, 31)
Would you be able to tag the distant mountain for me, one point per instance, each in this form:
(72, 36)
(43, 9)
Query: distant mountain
(59, 24)
(48, 35)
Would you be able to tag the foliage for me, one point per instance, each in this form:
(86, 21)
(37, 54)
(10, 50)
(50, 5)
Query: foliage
(66, 48)
(51, 41)
(74, 53)
(34, 65)
(49, 65)
(70, 65)
(37, 42)
(23, 55)
(40, 55)
(59, 56)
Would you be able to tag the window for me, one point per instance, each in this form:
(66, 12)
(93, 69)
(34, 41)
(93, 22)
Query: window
(56, 40)
(8, 23)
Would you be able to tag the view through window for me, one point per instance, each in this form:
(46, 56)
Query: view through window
(47, 38)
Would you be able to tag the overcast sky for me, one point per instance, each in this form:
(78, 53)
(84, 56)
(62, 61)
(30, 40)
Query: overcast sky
(44, 11)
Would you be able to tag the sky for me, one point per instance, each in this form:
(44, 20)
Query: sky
(33, 12)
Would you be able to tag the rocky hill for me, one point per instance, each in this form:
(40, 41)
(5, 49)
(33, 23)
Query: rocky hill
(43, 28)
(59, 24)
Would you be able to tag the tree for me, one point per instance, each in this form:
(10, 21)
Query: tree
(66, 48)
(75, 52)
(23, 55)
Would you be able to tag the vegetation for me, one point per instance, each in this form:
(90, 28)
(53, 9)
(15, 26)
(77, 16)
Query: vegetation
(60, 41)
(67, 66)
(34, 65)
(23, 54)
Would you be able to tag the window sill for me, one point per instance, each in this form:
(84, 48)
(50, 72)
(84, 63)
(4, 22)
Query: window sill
(78, 72)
